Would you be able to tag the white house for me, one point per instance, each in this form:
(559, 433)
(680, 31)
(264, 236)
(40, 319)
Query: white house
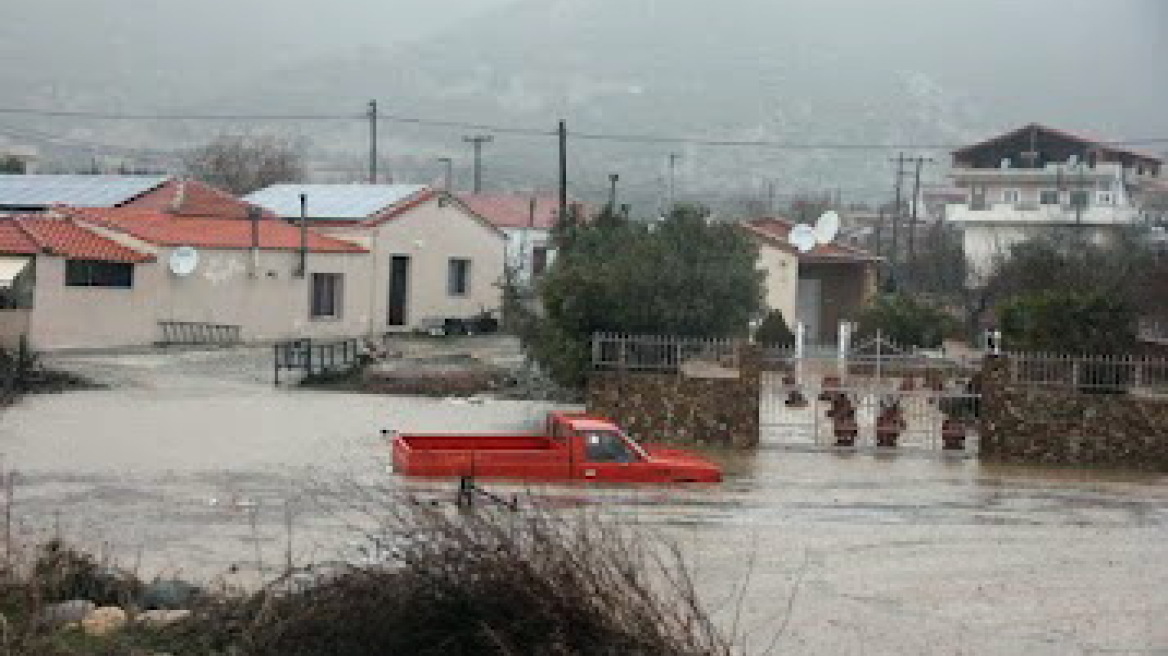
(527, 220)
(1037, 178)
(431, 258)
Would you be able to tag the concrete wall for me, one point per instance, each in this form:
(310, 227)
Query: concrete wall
(1065, 427)
(272, 304)
(676, 408)
(782, 280)
(430, 234)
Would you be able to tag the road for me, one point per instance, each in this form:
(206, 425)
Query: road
(192, 463)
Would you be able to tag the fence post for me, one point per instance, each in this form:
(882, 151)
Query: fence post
(276, 358)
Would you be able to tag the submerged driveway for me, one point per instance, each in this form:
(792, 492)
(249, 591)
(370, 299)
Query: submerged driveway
(192, 462)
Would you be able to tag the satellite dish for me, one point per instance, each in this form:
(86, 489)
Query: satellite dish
(803, 238)
(183, 261)
(827, 227)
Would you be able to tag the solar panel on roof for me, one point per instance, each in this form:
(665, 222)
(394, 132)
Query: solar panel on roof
(40, 191)
(332, 201)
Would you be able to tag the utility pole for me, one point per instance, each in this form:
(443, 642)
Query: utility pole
(477, 141)
(896, 212)
(612, 180)
(673, 157)
(912, 228)
(449, 162)
(770, 196)
(563, 134)
(372, 115)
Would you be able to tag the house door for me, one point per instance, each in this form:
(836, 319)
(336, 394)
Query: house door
(399, 289)
(810, 307)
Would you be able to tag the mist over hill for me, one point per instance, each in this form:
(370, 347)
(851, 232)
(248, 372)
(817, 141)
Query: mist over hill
(843, 72)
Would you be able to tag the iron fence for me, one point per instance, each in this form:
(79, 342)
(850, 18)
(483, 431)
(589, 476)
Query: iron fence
(313, 357)
(661, 354)
(197, 333)
(1101, 373)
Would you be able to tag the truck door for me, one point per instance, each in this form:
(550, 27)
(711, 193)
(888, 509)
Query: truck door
(606, 457)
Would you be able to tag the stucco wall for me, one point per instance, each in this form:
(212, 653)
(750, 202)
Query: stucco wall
(782, 280)
(273, 304)
(430, 234)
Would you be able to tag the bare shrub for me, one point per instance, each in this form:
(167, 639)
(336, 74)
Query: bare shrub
(485, 581)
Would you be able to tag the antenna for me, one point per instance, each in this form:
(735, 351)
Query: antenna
(183, 261)
(803, 238)
(827, 226)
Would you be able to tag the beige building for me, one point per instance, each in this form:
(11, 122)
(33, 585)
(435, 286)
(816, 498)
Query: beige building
(430, 257)
(820, 288)
(110, 278)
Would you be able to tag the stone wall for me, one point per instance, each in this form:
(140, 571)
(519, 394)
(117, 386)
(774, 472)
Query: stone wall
(1065, 427)
(692, 407)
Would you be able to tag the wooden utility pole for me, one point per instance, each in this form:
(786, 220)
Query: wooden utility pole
(372, 115)
(894, 257)
(912, 227)
(673, 157)
(563, 132)
(477, 141)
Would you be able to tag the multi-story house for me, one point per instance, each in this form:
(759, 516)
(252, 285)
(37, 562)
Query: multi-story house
(1036, 178)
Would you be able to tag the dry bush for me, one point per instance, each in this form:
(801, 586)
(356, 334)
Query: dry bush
(485, 581)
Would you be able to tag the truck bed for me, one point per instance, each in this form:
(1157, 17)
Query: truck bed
(524, 457)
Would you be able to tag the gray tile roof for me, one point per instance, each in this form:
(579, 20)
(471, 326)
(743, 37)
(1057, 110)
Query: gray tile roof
(332, 201)
(31, 192)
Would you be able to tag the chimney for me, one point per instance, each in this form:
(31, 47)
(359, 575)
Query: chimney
(253, 214)
(180, 196)
(303, 235)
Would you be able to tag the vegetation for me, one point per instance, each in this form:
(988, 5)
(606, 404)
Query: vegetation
(243, 164)
(485, 580)
(907, 321)
(1069, 322)
(12, 164)
(774, 330)
(681, 276)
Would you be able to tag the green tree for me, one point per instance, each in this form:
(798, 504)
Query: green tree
(1072, 322)
(774, 330)
(12, 164)
(681, 276)
(907, 321)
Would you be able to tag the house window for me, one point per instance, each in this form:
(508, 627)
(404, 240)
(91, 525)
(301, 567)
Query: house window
(458, 277)
(326, 296)
(1080, 198)
(1011, 196)
(1048, 197)
(1105, 198)
(94, 273)
(539, 260)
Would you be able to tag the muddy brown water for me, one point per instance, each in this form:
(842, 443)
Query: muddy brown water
(187, 463)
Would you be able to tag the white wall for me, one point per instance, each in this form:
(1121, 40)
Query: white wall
(521, 245)
(782, 280)
(272, 305)
(430, 234)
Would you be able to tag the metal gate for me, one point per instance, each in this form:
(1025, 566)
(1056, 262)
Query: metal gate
(874, 394)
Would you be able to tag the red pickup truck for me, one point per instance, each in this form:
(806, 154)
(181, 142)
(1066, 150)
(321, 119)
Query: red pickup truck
(574, 447)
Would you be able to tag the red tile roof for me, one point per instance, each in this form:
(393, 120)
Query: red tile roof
(775, 231)
(31, 235)
(193, 198)
(514, 210)
(165, 229)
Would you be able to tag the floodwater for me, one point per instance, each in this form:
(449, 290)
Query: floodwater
(193, 463)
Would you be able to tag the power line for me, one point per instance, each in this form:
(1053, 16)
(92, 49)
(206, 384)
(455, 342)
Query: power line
(535, 132)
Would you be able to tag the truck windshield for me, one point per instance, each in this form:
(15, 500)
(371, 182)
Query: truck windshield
(607, 446)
